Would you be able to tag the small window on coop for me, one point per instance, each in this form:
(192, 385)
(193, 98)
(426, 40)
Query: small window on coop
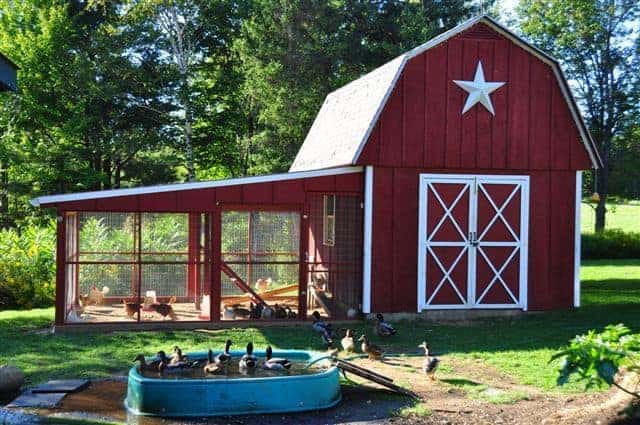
(329, 220)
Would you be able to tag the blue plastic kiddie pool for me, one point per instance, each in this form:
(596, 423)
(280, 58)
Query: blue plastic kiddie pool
(265, 392)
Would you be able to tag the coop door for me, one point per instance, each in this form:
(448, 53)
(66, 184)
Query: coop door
(472, 246)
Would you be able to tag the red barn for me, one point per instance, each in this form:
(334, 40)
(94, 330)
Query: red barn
(448, 178)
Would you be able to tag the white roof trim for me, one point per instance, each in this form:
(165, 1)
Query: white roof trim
(101, 194)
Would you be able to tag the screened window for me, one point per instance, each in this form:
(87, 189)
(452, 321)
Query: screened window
(329, 225)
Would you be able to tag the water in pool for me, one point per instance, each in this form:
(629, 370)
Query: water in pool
(233, 371)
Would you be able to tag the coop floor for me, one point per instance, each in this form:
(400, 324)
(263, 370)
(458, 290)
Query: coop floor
(184, 312)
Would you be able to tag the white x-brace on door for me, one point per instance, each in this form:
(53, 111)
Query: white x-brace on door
(472, 249)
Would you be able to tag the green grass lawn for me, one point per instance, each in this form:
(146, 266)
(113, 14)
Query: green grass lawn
(619, 216)
(519, 347)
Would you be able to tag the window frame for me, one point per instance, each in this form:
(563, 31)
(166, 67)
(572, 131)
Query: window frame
(329, 220)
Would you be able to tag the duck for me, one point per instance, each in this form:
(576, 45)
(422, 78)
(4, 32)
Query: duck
(347, 342)
(224, 358)
(373, 351)
(383, 328)
(178, 357)
(430, 363)
(323, 328)
(248, 360)
(211, 366)
(153, 366)
(275, 363)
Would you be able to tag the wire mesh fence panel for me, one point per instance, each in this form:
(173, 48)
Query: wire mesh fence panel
(261, 250)
(106, 236)
(335, 268)
(151, 264)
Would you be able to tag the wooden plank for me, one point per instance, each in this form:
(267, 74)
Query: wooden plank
(382, 250)
(288, 192)
(391, 139)
(371, 152)
(540, 121)
(374, 377)
(258, 193)
(500, 103)
(560, 137)
(405, 238)
(436, 86)
(237, 280)
(468, 120)
(196, 200)
(484, 142)
(561, 240)
(455, 102)
(538, 268)
(518, 86)
(414, 109)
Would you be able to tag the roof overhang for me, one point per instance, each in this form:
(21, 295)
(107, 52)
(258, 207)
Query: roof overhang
(50, 200)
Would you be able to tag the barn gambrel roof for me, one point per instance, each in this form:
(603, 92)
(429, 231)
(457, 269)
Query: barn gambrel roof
(348, 115)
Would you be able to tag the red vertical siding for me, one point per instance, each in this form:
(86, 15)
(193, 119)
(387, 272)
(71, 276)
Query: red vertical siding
(519, 108)
(469, 120)
(435, 113)
(484, 145)
(455, 100)
(413, 110)
(500, 99)
(382, 253)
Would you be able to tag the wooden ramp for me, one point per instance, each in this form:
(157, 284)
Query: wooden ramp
(372, 376)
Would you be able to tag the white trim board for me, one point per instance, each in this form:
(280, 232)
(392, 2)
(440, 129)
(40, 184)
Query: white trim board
(577, 241)
(367, 239)
(81, 196)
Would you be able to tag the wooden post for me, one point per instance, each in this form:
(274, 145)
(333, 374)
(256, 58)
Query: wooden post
(215, 288)
(303, 263)
(249, 244)
(60, 268)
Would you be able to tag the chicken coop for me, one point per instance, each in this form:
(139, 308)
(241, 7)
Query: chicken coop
(448, 178)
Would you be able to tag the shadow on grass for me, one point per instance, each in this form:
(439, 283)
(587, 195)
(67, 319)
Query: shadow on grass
(461, 382)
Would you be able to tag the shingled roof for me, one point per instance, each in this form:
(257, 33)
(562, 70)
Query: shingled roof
(349, 114)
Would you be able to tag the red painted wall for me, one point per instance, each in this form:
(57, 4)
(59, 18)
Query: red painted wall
(287, 192)
(421, 129)
(422, 125)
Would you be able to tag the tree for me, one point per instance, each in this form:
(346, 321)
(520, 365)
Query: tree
(292, 53)
(599, 48)
(193, 37)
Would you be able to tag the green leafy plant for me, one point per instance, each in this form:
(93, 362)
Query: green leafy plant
(597, 357)
(27, 267)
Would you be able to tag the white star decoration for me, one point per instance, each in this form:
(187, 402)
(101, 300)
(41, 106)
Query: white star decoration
(478, 90)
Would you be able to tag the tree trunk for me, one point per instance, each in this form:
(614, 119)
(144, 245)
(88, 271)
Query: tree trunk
(602, 185)
(191, 169)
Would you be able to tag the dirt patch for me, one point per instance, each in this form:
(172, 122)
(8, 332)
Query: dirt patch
(465, 392)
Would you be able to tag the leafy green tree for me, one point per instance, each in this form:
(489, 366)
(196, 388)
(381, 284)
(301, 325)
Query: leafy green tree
(292, 53)
(599, 48)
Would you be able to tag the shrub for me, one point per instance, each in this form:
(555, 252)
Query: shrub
(596, 358)
(27, 267)
(610, 244)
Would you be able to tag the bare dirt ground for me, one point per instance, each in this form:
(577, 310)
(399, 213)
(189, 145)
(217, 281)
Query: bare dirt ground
(465, 392)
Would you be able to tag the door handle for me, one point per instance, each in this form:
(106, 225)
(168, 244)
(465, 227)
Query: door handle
(472, 238)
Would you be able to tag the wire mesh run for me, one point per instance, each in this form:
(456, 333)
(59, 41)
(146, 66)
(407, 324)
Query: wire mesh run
(135, 266)
(334, 271)
(260, 252)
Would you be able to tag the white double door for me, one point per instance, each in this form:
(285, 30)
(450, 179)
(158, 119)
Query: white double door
(472, 249)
